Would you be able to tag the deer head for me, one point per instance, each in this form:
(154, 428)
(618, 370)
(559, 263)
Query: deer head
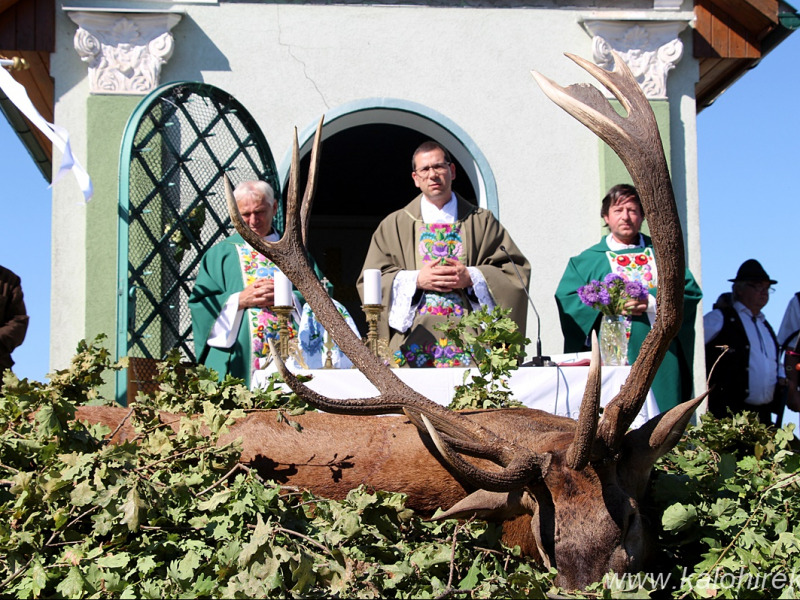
(582, 481)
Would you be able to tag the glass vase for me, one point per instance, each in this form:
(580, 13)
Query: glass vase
(613, 340)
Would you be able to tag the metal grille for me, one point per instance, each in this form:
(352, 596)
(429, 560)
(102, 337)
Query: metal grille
(177, 144)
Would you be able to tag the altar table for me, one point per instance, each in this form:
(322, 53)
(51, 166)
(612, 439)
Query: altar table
(557, 390)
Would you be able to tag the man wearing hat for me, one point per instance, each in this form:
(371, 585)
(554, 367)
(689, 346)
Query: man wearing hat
(749, 375)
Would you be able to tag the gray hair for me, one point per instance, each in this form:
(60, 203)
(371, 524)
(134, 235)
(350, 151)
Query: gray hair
(257, 188)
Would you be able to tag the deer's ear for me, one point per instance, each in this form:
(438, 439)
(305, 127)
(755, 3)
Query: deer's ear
(489, 506)
(642, 447)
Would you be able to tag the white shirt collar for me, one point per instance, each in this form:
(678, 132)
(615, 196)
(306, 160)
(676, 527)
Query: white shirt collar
(746, 311)
(615, 245)
(272, 237)
(433, 214)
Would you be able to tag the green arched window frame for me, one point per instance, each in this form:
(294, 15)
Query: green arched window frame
(176, 146)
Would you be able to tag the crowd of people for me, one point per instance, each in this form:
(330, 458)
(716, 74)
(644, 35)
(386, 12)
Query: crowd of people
(441, 257)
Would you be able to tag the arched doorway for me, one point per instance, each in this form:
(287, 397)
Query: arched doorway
(365, 174)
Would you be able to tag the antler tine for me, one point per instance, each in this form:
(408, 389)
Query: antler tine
(515, 476)
(637, 142)
(453, 437)
(288, 253)
(395, 396)
(311, 186)
(520, 466)
(579, 451)
(457, 436)
(294, 225)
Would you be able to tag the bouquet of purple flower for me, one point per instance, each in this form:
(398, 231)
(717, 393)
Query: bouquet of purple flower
(610, 295)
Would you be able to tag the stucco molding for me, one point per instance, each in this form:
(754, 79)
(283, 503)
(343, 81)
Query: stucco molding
(125, 52)
(650, 49)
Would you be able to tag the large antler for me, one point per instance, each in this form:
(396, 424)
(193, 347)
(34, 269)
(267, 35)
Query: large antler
(636, 141)
(461, 434)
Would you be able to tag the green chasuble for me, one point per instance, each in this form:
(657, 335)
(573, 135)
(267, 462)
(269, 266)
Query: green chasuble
(673, 382)
(220, 275)
(402, 242)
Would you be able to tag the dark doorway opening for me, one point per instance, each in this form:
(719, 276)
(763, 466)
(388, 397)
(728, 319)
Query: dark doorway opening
(364, 174)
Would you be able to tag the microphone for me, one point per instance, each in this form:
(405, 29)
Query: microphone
(538, 360)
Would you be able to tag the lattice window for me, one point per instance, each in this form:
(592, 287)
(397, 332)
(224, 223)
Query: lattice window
(177, 144)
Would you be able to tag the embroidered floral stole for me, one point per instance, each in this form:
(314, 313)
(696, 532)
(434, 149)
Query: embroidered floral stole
(635, 266)
(261, 322)
(437, 241)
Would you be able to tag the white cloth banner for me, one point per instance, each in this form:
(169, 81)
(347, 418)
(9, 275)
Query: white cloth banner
(16, 92)
(557, 390)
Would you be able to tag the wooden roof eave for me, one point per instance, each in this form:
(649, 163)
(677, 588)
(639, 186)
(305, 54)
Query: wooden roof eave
(40, 88)
(733, 36)
(27, 31)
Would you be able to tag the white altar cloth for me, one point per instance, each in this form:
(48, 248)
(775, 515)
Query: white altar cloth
(557, 390)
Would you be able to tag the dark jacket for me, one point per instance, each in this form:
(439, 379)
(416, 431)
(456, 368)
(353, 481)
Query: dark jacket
(13, 317)
(730, 383)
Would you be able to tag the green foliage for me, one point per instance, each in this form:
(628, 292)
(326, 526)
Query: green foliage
(496, 347)
(731, 517)
(175, 514)
(186, 388)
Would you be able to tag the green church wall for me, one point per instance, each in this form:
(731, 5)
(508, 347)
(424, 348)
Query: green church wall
(106, 119)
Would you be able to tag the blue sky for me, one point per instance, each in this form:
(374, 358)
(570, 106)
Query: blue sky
(748, 148)
(749, 158)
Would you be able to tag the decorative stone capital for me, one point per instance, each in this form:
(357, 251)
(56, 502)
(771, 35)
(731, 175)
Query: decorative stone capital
(124, 51)
(649, 48)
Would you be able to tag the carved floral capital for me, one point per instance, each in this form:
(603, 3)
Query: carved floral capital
(124, 51)
(649, 48)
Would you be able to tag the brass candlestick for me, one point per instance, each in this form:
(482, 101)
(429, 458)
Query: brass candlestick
(373, 314)
(283, 313)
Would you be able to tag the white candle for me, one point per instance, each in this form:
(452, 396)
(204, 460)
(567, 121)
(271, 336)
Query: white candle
(283, 290)
(372, 286)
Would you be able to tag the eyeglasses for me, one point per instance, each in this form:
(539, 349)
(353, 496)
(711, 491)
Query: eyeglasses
(438, 168)
(760, 287)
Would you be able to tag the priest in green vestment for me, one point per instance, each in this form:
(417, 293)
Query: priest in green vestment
(439, 258)
(235, 290)
(629, 253)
